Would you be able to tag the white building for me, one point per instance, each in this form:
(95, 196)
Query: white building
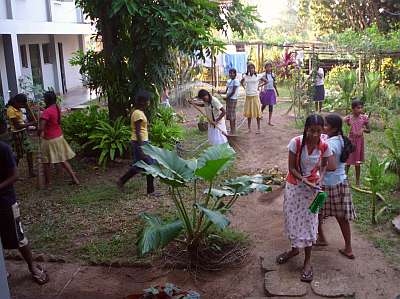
(37, 39)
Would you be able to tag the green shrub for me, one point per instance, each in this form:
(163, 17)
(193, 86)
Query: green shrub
(110, 139)
(165, 131)
(335, 75)
(79, 125)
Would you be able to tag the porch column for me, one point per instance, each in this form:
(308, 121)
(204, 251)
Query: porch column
(10, 7)
(13, 61)
(56, 64)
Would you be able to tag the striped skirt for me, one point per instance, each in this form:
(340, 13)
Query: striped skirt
(339, 202)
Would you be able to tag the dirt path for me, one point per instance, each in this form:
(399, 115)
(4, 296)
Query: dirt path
(370, 275)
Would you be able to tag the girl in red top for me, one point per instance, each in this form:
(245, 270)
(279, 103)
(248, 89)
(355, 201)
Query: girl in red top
(308, 157)
(54, 147)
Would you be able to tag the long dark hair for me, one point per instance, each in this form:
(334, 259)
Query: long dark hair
(248, 69)
(50, 98)
(311, 120)
(141, 98)
(202, 93)
(335, 121)
(19, 98)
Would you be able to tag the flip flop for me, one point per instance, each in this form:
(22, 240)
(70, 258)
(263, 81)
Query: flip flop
(321, 244)
(307, 276)
(349, 256)
(284, 257)
(40, 278)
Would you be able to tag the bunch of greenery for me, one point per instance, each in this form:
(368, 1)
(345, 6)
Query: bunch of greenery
(165, 131)
(110, 139)
(79, 125)
(392, 145)
(140, 39)
(203, 211)
(391, 71)
(376, 173)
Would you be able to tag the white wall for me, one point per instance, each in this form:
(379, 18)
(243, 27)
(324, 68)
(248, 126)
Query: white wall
(70, 45)
(64, 12)
(3, 9)
(47, 69)
(33, 10)
(3, 72)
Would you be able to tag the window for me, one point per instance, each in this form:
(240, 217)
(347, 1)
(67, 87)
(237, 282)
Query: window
(24, 58)
(46, 53)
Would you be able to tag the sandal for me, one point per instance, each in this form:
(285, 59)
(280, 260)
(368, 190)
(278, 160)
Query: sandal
(41, 276)
(284, 257)
(307, 276)
(344, 253)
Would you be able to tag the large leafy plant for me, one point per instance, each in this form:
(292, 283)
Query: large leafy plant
(375, 180)
(392, 145)
(372, 81)
(203, 210)
(110, 139)
(347, 82)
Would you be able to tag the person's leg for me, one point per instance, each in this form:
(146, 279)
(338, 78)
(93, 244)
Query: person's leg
(150, 184)
(258, 124)
(346, 231)
(249, 123)
(307, 259)
(46, 172)
(358, 172)
(321, 241)
(233, 126)
(316, 106)
(68, 168)
(37, 271)
(270, 110)
(29, 159)
(263, 106)
(132, 171)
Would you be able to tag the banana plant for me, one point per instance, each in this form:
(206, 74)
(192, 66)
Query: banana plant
(372, 81)
(347, 83)
(376, 173)
(203, 210)
(392, 145)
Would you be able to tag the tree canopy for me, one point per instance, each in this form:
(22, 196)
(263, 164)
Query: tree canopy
(337, 16)
(140, 36)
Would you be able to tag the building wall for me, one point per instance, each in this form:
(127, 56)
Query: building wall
(33, 10)
(70, 45)
(64, 12)
(47, 68)
(4, 81)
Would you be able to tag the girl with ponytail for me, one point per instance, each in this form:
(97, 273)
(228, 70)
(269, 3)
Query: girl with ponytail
(339, 203)
(308, 158)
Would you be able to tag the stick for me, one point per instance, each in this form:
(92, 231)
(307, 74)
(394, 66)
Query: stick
(40, 176)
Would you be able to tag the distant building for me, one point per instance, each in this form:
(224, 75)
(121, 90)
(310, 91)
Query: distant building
(37, 39)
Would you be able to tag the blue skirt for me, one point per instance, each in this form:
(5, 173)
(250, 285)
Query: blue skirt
(268, 97)
(319, 95)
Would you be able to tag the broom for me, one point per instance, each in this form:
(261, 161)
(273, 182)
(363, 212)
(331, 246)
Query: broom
(40, 176)
(232, 139)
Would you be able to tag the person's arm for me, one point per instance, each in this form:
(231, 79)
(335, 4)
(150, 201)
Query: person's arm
(20, 126)
(242, 82)
(138, 134)
(293, 170)
(223, 92)
(331, 164)
(367, 128)
(276, 89)
(42, 125)
(232, 93)
(323, 168)
(221, 115)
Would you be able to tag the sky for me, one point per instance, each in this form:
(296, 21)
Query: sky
(269, 10)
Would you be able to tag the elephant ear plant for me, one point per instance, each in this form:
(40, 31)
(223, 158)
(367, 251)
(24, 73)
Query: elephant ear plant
(203, 211)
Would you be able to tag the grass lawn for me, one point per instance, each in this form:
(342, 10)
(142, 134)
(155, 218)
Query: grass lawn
(94, 222)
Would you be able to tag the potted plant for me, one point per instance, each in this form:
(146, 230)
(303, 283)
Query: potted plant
(202, 123)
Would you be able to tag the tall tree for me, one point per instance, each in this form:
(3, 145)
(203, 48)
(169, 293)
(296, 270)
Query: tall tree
(337, 16)
(139, 37)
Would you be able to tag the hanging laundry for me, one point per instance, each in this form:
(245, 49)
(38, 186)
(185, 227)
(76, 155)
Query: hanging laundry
(237, 61)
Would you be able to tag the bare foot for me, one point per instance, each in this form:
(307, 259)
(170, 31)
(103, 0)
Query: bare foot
(120, 186)
(271, 124)
(258, 131)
